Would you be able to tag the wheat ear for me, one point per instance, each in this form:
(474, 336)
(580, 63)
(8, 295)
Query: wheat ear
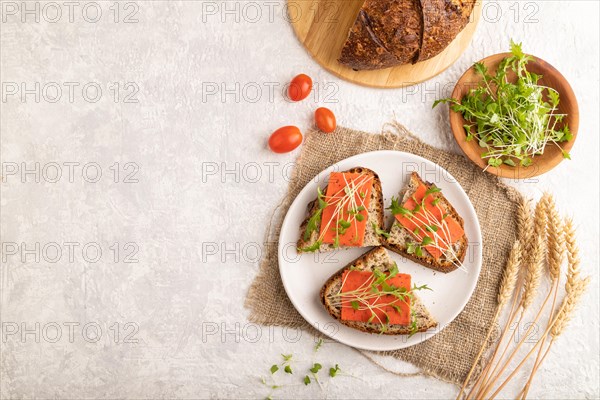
(533, 274)
(574, 286)
(572, 251)
(556, 240)
(525, 223)
(511, 272)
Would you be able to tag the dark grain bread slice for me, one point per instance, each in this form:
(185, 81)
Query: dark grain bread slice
(379, 259)
(385, 34)
(375, 215)
(442, 21)
(400, 237)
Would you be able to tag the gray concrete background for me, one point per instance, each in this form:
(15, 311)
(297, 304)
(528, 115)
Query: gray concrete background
(159, 137)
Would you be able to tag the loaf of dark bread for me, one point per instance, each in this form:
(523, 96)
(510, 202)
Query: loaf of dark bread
(387, 33)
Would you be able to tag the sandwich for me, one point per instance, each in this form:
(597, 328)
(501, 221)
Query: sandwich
(426, 228)
(371, 295)
(348, 212)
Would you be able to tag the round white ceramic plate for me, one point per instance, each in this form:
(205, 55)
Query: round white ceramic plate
(303, 275)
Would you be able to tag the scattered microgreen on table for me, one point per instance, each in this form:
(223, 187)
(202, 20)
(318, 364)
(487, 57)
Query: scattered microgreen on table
(312, 373)
(333, 371)
(319, 344)
(286, 364)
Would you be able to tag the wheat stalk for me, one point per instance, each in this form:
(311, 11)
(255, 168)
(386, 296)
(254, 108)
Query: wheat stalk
(507, 288)
(543, 239)
(525, 233)
(533, 275)
(578, 287)
(554, 259)
(574, 288)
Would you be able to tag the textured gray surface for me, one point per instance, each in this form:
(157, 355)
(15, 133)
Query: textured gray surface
(189, 207)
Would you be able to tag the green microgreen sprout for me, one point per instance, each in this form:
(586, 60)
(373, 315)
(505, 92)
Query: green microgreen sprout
(333, 371)
(413, 325)
(286, 364)
(380, 231)
(396, 208)
(315, 219)
(316, 368)
(311, 376)
(313, 372)
(320, 343)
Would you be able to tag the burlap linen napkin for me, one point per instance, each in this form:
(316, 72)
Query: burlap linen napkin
(450, 354)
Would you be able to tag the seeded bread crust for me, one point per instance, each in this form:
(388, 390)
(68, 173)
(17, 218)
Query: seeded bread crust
(442, 22)
(384, 34)
(400, 237)
(379, 259)
(375, 214)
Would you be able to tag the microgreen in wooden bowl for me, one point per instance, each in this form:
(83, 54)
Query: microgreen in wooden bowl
(514, 115)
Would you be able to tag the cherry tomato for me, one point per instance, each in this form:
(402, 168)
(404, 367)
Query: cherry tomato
(325, 120)
(285, 139)
(300, 87)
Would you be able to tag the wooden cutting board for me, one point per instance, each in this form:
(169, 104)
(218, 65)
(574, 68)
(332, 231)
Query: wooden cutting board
(322, 26)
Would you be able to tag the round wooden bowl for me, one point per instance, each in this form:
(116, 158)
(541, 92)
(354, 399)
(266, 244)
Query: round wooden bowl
(552, 155)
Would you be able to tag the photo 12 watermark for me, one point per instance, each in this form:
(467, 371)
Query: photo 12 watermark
(70, 92)
(249, 172)
(54, 172)
(270, 92)
(248, 252)
(69, 332)
(69, 252)
(255, 12)
(54, 12)
(248, 332)
(332, 11)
